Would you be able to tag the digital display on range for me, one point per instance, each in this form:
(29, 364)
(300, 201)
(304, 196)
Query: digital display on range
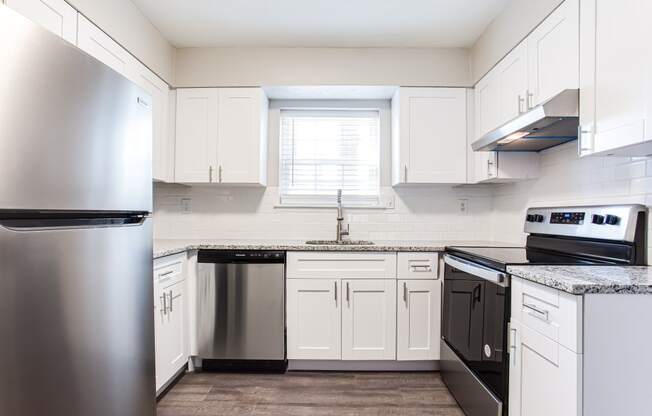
(567, 218)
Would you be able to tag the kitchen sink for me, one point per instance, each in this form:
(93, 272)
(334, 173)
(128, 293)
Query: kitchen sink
(340, 243)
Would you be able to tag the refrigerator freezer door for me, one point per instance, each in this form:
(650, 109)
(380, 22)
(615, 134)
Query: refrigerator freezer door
(77, 321)
(75, 134)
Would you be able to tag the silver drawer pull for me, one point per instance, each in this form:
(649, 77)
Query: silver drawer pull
(421, 268)
(536, 312)
(165, 275)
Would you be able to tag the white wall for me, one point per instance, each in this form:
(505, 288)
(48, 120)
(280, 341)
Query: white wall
(567, 180)
(511, 26)
(124, 22)
(204, 67)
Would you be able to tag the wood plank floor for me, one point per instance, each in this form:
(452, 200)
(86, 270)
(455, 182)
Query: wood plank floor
(310, 394)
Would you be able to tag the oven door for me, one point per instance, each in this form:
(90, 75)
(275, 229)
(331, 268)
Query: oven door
(475, 315)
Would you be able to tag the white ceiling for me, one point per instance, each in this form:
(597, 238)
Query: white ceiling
(321, 23)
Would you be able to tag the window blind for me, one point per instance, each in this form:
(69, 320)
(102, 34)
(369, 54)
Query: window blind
(322, 151)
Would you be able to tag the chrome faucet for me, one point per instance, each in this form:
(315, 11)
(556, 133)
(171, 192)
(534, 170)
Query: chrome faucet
(341, 231)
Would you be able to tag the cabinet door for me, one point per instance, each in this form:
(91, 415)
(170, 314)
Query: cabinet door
(419, 319)
(161, 148)
(196, 135)
(98, 44)
(369, 320)
(544, 377)
(432, 135)
(242, 136)
(170, 332)
(512, 76)
(616, 104)
(554, 41)
(487, 104)
(314, 327)
(57, 16)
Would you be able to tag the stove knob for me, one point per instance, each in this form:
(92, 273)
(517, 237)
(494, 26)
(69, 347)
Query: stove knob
(598, 219)
(529, 218)
(538, 218)
(612, 219)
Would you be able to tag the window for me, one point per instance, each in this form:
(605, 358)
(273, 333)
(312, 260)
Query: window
(322, 151)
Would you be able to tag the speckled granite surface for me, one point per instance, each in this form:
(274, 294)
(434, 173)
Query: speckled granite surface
(164, 248)
(579, 280)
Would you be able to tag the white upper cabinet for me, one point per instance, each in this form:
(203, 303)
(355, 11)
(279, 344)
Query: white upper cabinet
(242, 136)
(221, 136)
(429, 135)
(553, 54)
(57, 16)
(512, 78)
(196, 135)
(98, 44)
(616, 77)
(369, 319)
(162, 168)
(538, 68)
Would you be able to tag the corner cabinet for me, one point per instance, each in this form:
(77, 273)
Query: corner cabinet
(429, 127)
(57, 16)
(616, 78)
(221, 136)
(170, 314)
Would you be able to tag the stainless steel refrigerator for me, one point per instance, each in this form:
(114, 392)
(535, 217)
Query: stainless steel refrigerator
(76, 307)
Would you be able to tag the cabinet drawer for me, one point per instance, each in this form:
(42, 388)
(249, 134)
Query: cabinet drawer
(328, 265)
(555, 314)
(417, 265)
(169, 270)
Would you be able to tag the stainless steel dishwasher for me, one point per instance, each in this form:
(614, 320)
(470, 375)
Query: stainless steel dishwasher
(241, 310)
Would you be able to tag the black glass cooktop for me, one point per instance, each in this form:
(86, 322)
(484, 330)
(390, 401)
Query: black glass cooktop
(501, 257)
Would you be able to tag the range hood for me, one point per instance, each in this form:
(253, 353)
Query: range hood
(549, 124)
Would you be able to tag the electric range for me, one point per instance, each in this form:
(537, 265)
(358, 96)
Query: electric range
(477, 296)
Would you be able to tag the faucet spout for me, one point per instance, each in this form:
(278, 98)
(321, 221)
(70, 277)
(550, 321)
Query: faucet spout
(340, 231)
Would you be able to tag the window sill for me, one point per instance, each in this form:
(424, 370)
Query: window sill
(332, 206)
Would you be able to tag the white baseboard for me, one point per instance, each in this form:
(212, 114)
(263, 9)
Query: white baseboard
(339, 365)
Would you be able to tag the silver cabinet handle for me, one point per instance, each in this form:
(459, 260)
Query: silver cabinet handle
(521, 101)
(171, 301)
(219, 172)
(336, 292)
(165, 275)
(347, 293)
(580, 141)
(210, 174)
(405, 173)
(164, 299)
(490, 163)
(536, 312)
(528, 100)
(421, 268)
(405, 293)
(512, 343)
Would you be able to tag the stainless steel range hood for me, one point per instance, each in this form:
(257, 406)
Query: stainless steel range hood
(549, 124)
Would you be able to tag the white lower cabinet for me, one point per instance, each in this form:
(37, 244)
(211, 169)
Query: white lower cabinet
(170, 318)
(369, 320)
(544, 376)
(369, 317)
(314, 324)
(418, 320)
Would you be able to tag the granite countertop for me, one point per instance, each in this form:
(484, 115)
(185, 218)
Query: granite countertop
(579, 280)
(164, 248)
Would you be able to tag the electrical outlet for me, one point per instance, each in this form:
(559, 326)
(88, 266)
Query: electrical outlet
(186, 207)
(464, 206)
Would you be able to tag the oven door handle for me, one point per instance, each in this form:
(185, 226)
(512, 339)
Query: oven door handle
(494, 276)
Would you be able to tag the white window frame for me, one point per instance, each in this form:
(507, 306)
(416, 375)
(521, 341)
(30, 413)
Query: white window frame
(321, 201)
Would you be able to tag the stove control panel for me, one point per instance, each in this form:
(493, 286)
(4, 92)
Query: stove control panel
(610, 222)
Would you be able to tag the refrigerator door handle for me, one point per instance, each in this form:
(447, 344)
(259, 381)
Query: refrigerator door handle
(36, 224)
